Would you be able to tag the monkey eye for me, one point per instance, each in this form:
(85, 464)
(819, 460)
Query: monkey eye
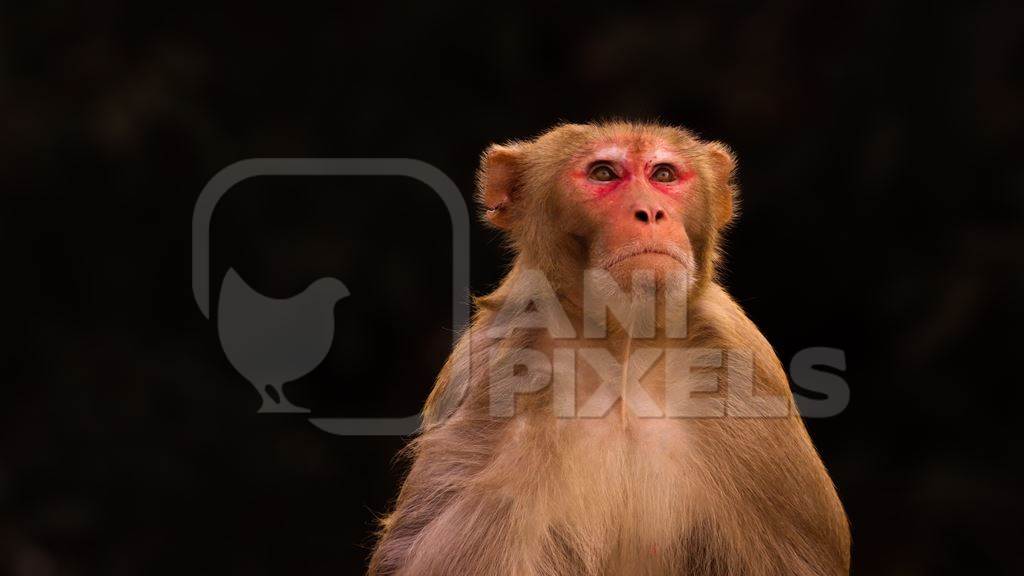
(602, 172)
(663, 173)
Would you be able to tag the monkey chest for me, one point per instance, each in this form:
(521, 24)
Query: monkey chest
(626, 489)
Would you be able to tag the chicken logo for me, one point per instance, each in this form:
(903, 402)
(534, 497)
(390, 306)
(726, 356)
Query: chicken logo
(270, 341)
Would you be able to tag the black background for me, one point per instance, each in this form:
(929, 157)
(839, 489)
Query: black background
(882, 203)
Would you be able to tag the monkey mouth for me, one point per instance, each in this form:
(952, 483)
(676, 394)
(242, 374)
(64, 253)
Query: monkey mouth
(632, 251)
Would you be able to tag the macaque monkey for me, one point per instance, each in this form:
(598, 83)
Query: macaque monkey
(611, 410)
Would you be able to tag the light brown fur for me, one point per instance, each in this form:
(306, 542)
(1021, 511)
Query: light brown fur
(619, 494)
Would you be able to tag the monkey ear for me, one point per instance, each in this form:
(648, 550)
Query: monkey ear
(724, 195)
(498, 184)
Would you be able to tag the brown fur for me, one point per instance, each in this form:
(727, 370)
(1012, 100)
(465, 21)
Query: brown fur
(536, 494)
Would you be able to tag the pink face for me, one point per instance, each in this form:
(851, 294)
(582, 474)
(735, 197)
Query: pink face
(635, 194)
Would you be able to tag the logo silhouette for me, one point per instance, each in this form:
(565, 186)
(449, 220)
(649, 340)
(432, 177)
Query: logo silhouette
(273, 341)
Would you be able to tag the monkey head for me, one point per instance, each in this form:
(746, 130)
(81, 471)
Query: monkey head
(618, 197)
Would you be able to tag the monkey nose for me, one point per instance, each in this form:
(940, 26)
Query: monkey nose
(649, 214)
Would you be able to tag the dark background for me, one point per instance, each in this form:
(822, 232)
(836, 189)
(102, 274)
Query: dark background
(882, 182)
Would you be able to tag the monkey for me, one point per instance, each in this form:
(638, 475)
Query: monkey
(610, 409)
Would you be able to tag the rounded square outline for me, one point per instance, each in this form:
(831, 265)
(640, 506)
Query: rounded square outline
(434, 178)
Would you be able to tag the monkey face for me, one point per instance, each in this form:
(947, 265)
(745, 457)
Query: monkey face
(617, 197)
(632, 195)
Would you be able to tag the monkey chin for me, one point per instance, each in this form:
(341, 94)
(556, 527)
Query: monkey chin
(651, 272)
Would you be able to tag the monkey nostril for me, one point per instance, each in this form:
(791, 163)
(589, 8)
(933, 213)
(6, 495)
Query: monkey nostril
(659, 215)
(642, 216)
